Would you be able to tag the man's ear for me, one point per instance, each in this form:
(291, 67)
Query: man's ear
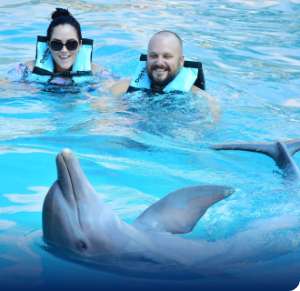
(181, 60)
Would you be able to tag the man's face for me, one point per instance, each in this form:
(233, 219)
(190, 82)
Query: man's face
(164, 59)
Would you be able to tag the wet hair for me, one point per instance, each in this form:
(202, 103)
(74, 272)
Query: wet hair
(63, 16)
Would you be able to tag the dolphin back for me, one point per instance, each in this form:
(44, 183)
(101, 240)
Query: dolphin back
(179, 211)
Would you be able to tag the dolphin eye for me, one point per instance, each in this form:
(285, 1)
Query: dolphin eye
(81, 245)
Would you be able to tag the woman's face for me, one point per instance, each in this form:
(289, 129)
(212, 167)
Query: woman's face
(64, 57)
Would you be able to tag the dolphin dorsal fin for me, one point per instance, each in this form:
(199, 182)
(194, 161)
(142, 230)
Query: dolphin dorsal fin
(179, 211)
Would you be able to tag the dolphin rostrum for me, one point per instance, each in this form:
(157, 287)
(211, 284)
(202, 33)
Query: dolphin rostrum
(76, 220)
(281, 152)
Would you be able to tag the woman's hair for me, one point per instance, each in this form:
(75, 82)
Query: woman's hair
(63, 16)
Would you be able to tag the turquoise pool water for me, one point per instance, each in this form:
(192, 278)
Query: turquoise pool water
(250, 52)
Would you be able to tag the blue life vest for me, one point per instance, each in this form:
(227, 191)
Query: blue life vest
(43, 70)
(190, 74)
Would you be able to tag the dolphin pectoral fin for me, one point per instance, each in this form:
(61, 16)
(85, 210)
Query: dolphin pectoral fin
(179, 211)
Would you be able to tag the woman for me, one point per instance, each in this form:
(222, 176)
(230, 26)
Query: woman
(63, 56)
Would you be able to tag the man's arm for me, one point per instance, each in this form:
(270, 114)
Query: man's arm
(109, 101)
(212, 102)
(119, 87)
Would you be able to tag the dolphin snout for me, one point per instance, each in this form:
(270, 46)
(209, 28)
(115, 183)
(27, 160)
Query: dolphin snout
(66, 152)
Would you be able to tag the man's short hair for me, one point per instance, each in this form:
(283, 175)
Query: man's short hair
(169, 32)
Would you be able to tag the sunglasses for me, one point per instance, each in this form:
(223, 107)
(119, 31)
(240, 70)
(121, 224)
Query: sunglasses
(57, 45)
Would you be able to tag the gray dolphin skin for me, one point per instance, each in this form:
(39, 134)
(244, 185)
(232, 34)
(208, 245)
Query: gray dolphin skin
(76, 220)
(281, 152)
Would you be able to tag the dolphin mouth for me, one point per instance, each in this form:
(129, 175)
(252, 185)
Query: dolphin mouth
(66, 207)
(72, 182)
(75, 187)
(65, 174)
(64, 159)
(71, 178)
(62, 213)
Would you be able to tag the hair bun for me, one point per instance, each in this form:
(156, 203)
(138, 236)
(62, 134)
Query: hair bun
(59, 12)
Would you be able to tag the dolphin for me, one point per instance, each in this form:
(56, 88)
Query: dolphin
(280, 151)
(77, 221)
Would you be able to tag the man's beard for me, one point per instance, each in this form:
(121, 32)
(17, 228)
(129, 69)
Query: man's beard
(158, 85)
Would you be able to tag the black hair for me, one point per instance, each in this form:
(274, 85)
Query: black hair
(63, 16)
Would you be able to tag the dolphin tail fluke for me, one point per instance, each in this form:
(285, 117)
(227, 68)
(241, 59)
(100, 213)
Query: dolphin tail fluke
(293, 146)
(269, 149)
(179, 211)
(281, 152)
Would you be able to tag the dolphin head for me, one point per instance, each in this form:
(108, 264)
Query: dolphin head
(74, 217)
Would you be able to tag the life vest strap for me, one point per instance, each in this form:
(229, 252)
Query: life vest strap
(42, 72)
(69, 74)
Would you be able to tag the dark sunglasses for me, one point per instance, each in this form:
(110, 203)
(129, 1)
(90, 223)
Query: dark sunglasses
(57, 45)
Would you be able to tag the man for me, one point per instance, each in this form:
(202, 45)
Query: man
(164, 71)
(164, 61)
